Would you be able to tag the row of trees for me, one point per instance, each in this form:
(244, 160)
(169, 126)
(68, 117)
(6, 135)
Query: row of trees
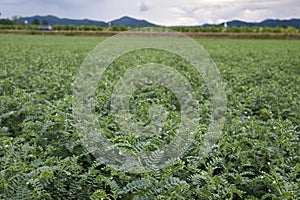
(235, 29)
(37, 22)
(63, 27)
(214, 29)
(15, 24)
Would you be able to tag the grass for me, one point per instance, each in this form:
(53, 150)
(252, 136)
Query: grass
(41, 156)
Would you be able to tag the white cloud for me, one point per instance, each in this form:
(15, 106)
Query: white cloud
(186, 21)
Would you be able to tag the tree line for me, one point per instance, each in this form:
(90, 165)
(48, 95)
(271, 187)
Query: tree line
(15, 24)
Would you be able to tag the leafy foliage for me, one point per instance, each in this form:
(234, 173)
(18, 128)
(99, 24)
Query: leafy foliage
(41, 156)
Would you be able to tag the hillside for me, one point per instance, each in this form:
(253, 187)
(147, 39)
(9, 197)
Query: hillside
(124, 21)
(53, 20)
(132, 22)
(266, 23)
(128, 21)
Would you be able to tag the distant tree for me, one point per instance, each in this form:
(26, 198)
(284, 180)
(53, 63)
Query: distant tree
(16, 19)
(35, 22)
(245, 29)
(6, 22)
(291, 29)
(44, 22)
(255, 29)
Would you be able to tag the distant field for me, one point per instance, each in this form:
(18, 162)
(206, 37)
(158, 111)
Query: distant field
(41, 156)
(226, 35)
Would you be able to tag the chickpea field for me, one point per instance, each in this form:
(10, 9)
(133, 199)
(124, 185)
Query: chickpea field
(42, 156)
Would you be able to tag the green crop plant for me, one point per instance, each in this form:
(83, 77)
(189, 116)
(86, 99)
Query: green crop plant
(42, 157)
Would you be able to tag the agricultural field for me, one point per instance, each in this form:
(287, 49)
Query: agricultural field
(42, 156)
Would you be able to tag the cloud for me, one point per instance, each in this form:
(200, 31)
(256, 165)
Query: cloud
(143, 6)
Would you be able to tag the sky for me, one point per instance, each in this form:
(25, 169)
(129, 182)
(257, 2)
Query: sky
(161, 12)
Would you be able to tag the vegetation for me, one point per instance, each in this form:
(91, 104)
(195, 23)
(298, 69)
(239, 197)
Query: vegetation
(41, 156)
(35, 22)
(45, 22)
(7, 24)
(235, 29)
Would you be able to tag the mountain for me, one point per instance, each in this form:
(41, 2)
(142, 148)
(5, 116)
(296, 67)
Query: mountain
(124, 21)
(276, 22)
(53, 20)
(128, 21)
(268, 22)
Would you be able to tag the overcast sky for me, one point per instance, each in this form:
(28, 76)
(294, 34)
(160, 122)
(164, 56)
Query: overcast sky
(162, 12)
